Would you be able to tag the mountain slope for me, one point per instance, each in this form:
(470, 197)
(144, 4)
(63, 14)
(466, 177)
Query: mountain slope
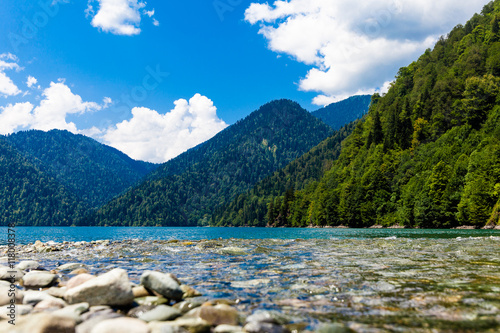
(186, 190)
(251, 208)
(94, 172)
(31, 198)
(341, 113)
(428, 154)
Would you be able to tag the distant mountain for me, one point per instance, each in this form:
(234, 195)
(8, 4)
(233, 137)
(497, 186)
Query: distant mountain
(187, 189)
(256, 206)
(94, 172)
(341, 113)
(30, 197)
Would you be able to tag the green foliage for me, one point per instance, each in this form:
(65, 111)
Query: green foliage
(186, 190)
(30, 197)
(341, 113)
(427, 155)
(95, 173)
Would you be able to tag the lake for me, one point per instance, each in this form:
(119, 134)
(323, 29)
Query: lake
(371, 280)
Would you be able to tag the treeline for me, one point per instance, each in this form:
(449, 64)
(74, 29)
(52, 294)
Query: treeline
(428, 153)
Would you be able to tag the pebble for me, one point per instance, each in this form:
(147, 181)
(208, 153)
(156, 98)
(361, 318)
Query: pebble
(163, 284)
(7, 273)
(121, 325)
(78, 280)
(5, 298)
(50, 304)
(228, 329)
(40, 323)
(221, 314)
(259, 327)
(38, 279)
(161, 313)
(28, 265)
(111, 288)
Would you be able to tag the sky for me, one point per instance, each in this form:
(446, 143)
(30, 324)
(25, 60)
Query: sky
(155, 78)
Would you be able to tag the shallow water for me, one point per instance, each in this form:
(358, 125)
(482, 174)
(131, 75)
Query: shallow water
(388, 284)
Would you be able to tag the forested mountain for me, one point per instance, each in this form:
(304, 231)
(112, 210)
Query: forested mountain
(186, 190)
(94, 172)
(251, 208)
(341, 113)
(428, 153)
(30, 197)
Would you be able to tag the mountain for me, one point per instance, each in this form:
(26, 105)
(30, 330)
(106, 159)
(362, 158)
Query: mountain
(341, 113)
(94, 172)
(252, 207)
(428, 153)
(30, 197)
(186, 190)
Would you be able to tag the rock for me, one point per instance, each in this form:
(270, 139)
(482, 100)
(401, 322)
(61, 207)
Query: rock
(88, 324)
(73, 311)
(100, 311)
(120, 325)
(161, 313)
(5, 290)
(28, 265)
(50, 304)
(151, 300)
(163, 284)
(259, 327)
(70, 267)
(56, 292)
(140, 291)
(32, 297)
(334, 328)
(221, 314)
(228, 329)
(186, 306)
(44, 323)
(112, 288)
(7, 273)
(21, 310)
(189, 291)
(272, 317)
(193, 325)
(162, 327)
(139, 310)
(78, 280)
(79, 271)
(37, 279)
(233, 251)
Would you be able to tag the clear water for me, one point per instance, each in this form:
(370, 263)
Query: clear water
(25, 235)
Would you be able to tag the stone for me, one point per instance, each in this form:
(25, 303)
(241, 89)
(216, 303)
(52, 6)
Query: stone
(186, 306)
(220, 314)
(120, 325)
(56, 291)
(5, 298)
(140, 291)
(21, 310)
(139, 310)
(193, 325)
(70, 267)
(233, 251)
(189, 291)
(228, 329)
(259, 327)
(50, 304)
(162, 327)
(7, 273)
(75, 281)
(28, 265)
(161, 313)
(37, 279)
(112, 288)
(73, 311)
(151, 300)
(79, 271)
(163, 284)
(43, 323)
(32, 297)
(273, 317)
(334, 328)
(88, 324)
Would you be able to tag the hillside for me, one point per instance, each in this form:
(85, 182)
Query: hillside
(94, 172)
(186, 190)
(31, 198)
(251, 208)
(428, 153)
(340, 113)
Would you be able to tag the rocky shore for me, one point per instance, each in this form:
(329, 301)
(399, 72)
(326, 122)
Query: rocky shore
(67, 298)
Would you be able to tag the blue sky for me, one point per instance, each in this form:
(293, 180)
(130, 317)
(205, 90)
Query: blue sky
(154, 79)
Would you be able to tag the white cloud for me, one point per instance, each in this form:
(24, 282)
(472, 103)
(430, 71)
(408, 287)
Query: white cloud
(8, 61)
(156, 137)
(15, 117)
(119, 17)
(31, 81)
(355, 45)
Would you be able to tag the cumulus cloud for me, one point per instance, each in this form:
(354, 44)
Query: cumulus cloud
(353, 45)
(156, 137)
(15, 117)
(119, 17)
(31, 81)
(8, 61)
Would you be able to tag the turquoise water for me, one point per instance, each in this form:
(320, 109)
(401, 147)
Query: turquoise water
(25, 235)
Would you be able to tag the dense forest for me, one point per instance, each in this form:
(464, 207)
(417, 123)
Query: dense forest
(251, 208)
(94, 172)
(30, 197)
(428, 153)
(186, 190)
(337, 115)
